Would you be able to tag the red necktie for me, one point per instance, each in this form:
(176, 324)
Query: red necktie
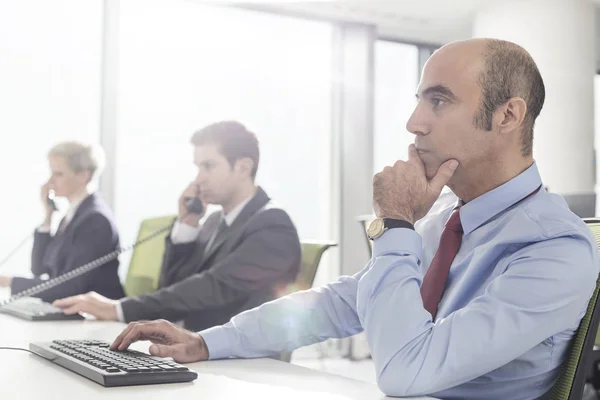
(435, 278)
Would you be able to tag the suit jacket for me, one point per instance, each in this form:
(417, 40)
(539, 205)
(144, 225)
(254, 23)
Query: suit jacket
(248, 265)
(90, 234)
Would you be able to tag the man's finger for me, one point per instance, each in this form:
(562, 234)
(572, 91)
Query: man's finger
(162, 350)
(132, 336)
(413, 156)
(66, 302)
(443, 175)
(74, 309)
(141, 332)
(115, 344)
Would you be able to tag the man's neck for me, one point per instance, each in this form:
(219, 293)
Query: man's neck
(469, 185)
(78, 195)
(239, 197)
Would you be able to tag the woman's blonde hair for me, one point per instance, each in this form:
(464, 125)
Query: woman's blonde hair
(80, 157)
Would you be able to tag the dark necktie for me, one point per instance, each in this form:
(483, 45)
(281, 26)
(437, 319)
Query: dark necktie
(218, 234)
(62, 225)
(435, 278)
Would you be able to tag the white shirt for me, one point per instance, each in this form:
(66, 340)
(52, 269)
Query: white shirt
(73, 206)
(184, 233)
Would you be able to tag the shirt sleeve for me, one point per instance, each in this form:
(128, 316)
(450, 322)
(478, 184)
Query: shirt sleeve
(544, 291)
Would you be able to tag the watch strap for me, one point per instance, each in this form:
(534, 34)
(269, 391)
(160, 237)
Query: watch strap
(391, 223)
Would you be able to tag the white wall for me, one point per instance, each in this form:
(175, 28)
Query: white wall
(49, 91)
(561, 42)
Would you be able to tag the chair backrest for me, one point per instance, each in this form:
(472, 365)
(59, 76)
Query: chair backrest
(312, 251)
(365, 221)
(571, 380)
(146, 260)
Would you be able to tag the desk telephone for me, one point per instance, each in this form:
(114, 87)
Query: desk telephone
(23, 306)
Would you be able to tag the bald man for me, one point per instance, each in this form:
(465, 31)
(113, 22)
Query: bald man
(478, 298)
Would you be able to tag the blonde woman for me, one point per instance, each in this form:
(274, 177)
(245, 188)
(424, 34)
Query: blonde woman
(87, 231)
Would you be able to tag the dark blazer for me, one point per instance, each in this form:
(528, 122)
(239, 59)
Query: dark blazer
(90, 234)
(256, 257)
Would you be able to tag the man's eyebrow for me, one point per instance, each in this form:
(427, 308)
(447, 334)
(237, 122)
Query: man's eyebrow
(437, 89)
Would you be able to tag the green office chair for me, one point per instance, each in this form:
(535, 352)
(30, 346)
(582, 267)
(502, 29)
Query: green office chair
(312, 251)
(572, 377)
(364, 221)
(146, 260)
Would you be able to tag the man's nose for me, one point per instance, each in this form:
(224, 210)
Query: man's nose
(200, 177)
(417, 124)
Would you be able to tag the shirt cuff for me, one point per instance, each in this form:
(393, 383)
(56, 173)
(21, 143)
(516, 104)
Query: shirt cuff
(217, 342)
(120, 315)
(183, 233)
(396, 240)
(43, 229)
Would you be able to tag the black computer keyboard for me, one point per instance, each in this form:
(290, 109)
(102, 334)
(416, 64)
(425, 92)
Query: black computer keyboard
(34, 309)
(93, 360)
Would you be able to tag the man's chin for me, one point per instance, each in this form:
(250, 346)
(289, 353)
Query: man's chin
(430, 172)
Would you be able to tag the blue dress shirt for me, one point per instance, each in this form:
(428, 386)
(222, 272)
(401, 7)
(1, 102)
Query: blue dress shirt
(514, 297)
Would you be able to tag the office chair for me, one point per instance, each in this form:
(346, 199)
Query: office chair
(364, 221)
(312, 251)
(572, 376)
(146, 260)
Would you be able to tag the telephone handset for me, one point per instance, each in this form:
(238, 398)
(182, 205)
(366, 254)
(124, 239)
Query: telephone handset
(50, 201)
(194, 205)
(51, 283)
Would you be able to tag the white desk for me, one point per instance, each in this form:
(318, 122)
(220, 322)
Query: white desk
(26, 376)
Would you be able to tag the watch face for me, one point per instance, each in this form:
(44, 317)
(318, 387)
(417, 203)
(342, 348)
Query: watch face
(376, 228)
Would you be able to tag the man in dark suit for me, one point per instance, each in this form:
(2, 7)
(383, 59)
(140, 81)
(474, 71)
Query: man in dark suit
(86, 232)
(237, 259)
(89, 235)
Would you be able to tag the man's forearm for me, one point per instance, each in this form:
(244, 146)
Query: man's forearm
(288, 323)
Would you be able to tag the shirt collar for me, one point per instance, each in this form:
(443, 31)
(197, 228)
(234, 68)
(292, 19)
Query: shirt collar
(74, 205)
(480, 210)
(233, 214)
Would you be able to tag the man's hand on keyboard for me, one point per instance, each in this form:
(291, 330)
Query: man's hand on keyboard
(168, 340)
(91, 303)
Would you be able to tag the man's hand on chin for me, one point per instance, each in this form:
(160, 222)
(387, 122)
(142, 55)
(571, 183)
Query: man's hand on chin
(403, 191)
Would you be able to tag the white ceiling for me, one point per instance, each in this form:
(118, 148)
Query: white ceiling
(426, 21)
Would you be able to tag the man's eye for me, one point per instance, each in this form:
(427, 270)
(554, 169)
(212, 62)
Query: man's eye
(437, 102)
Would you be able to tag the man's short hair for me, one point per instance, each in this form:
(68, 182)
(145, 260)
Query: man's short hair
(233, 140)
(80, 157)
(509, 71)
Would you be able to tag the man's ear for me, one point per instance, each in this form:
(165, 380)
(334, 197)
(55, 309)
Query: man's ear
(85, 176)
(510, 115)
(244, 166)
